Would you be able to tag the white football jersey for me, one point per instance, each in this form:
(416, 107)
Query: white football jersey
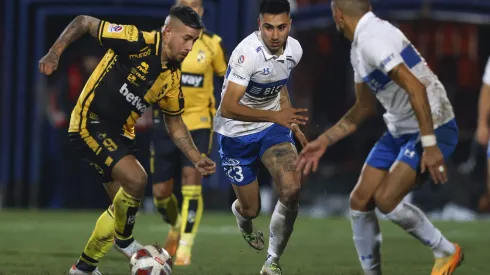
(252, 65)
(486, 75)
(377, 48)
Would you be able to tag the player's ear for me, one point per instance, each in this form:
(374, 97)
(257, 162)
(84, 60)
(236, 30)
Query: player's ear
(258, 22)
(166, 30)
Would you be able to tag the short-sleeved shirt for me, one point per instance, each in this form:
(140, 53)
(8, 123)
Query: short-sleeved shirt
(129, 78)
(377, 48)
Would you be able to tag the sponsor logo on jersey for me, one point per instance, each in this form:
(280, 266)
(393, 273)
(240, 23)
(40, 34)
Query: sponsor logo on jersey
(241, 59)
(266, 71)
(230, 161)
(135, 100)
(192, 80)
(201, 56)
(115, 28)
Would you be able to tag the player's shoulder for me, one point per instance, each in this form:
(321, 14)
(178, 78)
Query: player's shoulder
(212, 39)
(151, 37)
(207, 34)
(249, 44)
(247, 52)
(379, 31)
(296, 49)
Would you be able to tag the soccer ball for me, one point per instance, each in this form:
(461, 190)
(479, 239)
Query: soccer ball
(151, 260)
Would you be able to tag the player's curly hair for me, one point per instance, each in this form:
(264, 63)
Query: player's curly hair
(275, 6)
(187, 15)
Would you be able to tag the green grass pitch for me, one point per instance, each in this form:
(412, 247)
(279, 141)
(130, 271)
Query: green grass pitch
(47, 243)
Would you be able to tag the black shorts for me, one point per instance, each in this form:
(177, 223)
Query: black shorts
(166, 158)
(102, 148)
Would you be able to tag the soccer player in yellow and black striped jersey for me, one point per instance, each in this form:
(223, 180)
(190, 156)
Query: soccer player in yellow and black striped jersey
(139, 69)
(206, 59)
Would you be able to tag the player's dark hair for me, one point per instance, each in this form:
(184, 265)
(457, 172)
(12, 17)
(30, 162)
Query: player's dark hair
(187, 15)
(275, 6)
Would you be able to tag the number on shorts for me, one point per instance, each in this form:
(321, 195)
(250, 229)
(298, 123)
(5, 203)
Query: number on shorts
(237, 170)
(110, 144)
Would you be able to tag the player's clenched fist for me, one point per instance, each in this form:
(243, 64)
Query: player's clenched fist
(205, 166)
(49, 63)
(289, 116)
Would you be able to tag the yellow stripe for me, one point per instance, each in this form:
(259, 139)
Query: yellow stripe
(79, 112)
(102, 72)
(157, 45)
(152, 159)
(99, 35)
(173, 113)
(91, 142)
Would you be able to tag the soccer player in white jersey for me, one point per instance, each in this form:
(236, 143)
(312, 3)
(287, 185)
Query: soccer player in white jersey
(255, 122)
(483, 129)
(422, 133)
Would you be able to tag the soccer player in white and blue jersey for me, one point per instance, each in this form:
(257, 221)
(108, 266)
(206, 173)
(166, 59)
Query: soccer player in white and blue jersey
(255, 123)
(483, 129)
(422, 133)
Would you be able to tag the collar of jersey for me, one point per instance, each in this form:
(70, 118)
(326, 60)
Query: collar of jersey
(363, 21)
(268, 55)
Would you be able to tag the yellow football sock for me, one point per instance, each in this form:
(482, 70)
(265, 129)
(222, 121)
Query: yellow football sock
(100, 241)
(169, 209)
(125, 209)
(192, 208)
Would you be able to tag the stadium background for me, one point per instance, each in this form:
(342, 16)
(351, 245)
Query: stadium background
(38, 169)
(50, 199)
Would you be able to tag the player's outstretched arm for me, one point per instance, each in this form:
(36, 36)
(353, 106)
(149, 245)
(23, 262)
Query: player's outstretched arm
(231, 108)
(180, 135)
(483, 128)
(364, 107)
(81, 25)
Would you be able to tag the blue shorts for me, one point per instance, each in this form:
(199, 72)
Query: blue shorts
(240, 155)
(407, 148)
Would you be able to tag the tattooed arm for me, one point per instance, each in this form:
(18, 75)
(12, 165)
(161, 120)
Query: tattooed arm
(181, 137)
(402, 76)
(81, 25)
(364, 107)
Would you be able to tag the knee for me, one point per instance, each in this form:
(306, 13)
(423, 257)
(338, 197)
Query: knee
(136, 183)
(361, 202)
(290, 196)
(190, 177)
(249, 211)
(162, 190)
(384, 202)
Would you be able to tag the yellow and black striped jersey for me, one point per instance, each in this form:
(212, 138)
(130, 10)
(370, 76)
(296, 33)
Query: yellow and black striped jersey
(206, 59)
(129, 78)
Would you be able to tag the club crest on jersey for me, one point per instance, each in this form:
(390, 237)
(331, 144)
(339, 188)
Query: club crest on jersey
(201, 56)
(115, 28)
(241, 59)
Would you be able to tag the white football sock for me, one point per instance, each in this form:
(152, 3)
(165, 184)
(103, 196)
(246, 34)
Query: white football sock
(243, 223)
(413, 220)
(367, 238)
(281, 227)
